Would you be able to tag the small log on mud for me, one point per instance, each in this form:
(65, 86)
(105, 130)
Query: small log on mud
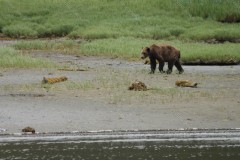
(212, 62)
(72, 69)
(54, 80)
(28, 129)
(138, 86)
(26, 95)
(186, 83)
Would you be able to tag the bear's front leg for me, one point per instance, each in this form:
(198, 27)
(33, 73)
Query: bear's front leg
(153, 65)
(170, 67)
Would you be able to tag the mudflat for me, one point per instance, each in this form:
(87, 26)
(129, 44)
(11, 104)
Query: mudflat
(96, 97)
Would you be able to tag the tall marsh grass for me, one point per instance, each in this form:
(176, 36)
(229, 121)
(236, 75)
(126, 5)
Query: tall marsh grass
(218, 10)
(95, 19)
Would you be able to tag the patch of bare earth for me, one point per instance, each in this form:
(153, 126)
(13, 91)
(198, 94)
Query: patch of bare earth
(97, 98)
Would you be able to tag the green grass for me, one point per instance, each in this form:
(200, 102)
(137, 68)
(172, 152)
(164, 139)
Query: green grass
(33, 45)
(121, 28)
(94, 19)
(213, 9)
(10, 58)
(207, 52)
(130, 48)
(44, 44)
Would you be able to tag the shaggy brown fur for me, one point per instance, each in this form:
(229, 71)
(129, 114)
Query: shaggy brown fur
(162, 53)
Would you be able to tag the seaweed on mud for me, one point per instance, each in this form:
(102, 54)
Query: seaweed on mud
(186, 83)
(54, 80)
(138, 86)
(212, 62)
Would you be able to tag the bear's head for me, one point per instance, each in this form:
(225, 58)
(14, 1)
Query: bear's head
(145, 52)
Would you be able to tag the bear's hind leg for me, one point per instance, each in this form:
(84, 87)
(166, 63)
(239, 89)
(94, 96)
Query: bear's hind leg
(179, 67)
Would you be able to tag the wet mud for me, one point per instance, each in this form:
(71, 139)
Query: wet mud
(99, 99)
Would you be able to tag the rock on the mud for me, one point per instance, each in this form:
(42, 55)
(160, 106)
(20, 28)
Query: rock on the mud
(28, 129)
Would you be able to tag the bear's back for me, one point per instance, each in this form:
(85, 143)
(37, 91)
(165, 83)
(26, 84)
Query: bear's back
(168, 52)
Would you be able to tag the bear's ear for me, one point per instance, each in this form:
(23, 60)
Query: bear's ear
(148, 49)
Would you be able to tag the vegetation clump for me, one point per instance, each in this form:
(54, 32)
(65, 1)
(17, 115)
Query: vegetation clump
(54, 79)
(11, 58)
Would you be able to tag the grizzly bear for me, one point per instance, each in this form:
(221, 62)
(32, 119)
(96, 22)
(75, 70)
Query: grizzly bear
(162, 53)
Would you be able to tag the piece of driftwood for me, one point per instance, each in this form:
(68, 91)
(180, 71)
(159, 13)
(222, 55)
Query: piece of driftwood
(72, 69)
(186, 83)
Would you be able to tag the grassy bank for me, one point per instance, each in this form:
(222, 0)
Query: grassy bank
(130, 48)
(121, 28)
(10, 58)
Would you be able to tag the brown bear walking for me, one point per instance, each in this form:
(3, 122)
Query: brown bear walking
(162, 53)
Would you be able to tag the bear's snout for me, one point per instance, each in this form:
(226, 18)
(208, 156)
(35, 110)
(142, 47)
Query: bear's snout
(143, 56)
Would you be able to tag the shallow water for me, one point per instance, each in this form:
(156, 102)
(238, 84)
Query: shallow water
(124, 145)
(120, 150)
